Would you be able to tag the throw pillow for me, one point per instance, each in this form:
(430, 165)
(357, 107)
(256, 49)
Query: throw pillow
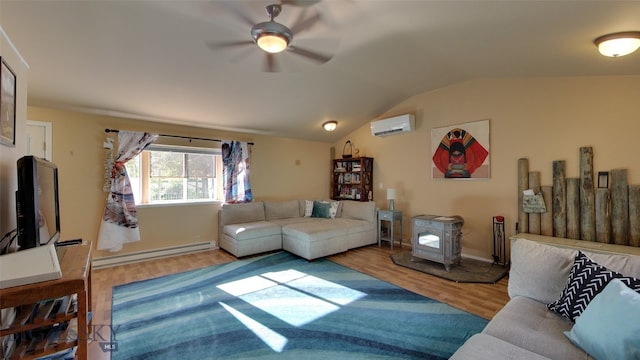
(586, 280)
(321, 210)
(308, 209)
(538, 271)
(608, 328)
(333, 210)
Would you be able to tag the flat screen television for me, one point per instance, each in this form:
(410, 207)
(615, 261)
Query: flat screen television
(37, 202)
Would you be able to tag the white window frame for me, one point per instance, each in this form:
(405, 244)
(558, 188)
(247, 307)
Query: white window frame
(141, 192)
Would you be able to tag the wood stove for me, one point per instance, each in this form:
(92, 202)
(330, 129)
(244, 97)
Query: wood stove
(437, 238)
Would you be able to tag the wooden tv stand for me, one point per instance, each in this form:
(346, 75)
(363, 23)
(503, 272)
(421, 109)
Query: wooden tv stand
(76, 279)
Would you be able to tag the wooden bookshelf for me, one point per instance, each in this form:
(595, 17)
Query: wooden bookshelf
(352, 179)
(36, 312)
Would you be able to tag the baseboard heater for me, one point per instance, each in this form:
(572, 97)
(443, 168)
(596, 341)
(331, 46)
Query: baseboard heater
(115, 260)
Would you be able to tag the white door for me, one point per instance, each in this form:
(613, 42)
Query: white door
(38, 142)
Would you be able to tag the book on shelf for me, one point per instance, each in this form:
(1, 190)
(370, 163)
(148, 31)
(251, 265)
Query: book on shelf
(59, 335)
(43, 310)
(8, 316)
(54, 308)
(8, 344)
(39, 313)
(24, 315)
(64, 306)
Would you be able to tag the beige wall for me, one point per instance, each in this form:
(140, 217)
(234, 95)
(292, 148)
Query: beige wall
(542, 119)
(280, 169)
(9, 155)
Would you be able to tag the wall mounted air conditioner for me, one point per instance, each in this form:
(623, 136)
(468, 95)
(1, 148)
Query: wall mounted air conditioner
(391, 126)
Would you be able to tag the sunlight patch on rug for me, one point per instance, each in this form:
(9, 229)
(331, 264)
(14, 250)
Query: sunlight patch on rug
(291, 295)
(274, 340)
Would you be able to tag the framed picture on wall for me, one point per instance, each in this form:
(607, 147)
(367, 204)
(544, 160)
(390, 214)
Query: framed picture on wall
(7, 105)
(461, 151)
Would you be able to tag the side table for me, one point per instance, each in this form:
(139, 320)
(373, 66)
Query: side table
(391, 216)
(76, 279)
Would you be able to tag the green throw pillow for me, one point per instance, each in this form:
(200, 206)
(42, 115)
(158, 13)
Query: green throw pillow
(321, 210)
(608, 328)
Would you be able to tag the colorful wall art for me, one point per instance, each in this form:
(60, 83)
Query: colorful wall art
(461, 151)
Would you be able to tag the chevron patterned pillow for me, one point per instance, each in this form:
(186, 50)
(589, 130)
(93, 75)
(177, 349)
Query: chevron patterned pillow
(586, 280)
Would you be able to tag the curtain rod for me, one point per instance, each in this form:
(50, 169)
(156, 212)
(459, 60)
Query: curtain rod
(175, 136)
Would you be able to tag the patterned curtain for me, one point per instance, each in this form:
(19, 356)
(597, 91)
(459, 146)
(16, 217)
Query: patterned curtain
(120, 222)
(235, 172)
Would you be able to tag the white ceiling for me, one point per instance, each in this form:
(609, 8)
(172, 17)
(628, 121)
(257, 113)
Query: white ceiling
(153, 59)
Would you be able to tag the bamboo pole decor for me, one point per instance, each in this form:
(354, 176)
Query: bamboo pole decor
(573, 208)
(619, 207)
(559, 199)
(587, 195)
(534, 218)
(546, 218)
(634, 215)
(523, 184)
(603, 216)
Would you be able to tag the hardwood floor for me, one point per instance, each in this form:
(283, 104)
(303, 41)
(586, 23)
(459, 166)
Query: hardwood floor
(481, 299)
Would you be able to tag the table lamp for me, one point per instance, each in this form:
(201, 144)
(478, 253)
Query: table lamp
(391, 196)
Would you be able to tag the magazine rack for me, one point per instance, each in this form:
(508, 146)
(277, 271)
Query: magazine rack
(35, 313)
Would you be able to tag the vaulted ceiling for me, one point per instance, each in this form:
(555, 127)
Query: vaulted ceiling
(161, 60)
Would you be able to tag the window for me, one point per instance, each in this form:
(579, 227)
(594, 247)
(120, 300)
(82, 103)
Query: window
(170, 174)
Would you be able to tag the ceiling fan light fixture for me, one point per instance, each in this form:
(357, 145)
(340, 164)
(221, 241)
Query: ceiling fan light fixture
(618, 44)
(272, 43)
(271, 36)
(330, 125)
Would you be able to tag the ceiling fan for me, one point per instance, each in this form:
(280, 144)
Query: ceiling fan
(273, 37)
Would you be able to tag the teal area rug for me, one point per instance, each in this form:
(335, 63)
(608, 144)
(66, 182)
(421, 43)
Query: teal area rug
(280, 306)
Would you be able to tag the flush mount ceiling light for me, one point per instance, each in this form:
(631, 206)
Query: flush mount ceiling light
(618, 44)
(330, 125)
(271, 36)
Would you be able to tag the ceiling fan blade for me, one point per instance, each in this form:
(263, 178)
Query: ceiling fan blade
(299, 2)
(270, 63)
(320, 7)
(316, 56)
(303, 24)
(238, 13)
(242, 54)
(229, 44)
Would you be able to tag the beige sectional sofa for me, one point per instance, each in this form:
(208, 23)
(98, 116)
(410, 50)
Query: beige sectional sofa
(525, 328)
(257, 227)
